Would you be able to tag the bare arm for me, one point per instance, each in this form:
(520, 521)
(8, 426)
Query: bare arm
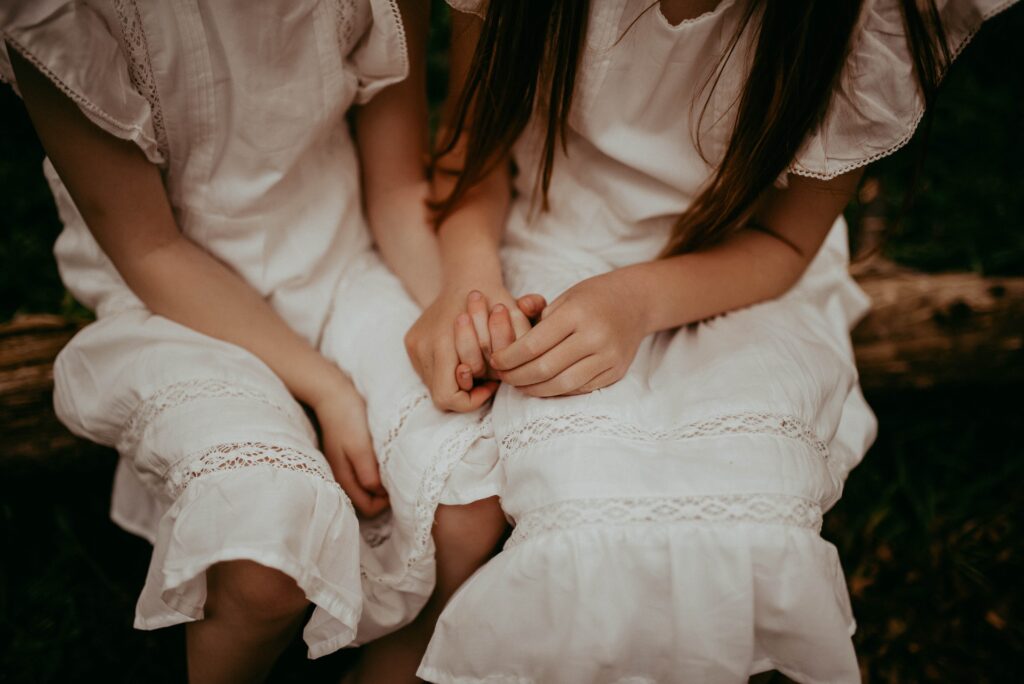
(589, 335)
(754, 266)
(391, 133)
(471, 235)
(468, 239)
(122, 199)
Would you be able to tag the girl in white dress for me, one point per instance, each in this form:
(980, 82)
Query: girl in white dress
(204, 170)
(674, 427)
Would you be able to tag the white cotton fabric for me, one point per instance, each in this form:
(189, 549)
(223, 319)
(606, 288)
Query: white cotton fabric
(668, 526)
(243, 107)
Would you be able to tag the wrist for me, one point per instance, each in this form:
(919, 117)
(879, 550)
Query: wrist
(324, 384)
(471, 266)
(639, 287)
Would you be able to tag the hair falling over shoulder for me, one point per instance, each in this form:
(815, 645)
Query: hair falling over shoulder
(526, 64)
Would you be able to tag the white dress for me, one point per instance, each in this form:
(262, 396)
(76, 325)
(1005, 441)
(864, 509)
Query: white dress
(242, 105)
(667, 528)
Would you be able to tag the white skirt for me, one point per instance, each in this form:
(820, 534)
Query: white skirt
(667, 527)
(219, 462)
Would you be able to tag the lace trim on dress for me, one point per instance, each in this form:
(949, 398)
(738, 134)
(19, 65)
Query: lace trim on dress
(140, 65)
(431, 486)
(181, 393)
(404, 411)
(344, 22)
(552, 427)
(236, 455)
(771, 509)
(403, 43)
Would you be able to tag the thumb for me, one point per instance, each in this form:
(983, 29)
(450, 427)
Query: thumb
(531, 305)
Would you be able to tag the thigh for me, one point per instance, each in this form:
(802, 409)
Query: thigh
(178, 404)
(746, 404)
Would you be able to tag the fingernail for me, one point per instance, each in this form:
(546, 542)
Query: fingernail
(475, 295)
(498, 308)
(462, 319)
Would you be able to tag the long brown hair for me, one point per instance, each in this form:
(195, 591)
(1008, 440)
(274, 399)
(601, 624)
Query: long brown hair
(526, 62)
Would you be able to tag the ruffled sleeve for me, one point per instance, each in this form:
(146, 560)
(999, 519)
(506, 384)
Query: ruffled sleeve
(381, 58)
(878, 105)
(72, 46)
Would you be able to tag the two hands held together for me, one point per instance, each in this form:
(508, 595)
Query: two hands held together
(464, 345)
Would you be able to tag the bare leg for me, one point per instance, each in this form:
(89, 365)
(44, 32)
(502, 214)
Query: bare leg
(252, 612)
(466, 537)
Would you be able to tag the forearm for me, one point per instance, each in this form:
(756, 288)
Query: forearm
(182, 282)
(391, 133)
(470, 237)
(751, 267)
(757, 264)
(406, 239)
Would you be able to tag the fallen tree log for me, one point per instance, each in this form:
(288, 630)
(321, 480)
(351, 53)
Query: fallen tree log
(956, 329)
(923, 331)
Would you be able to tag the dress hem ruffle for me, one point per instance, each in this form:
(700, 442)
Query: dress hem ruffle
(175, 587)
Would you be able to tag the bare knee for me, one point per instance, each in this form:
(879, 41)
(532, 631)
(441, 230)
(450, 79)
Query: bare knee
(470, 530)
(254, 591)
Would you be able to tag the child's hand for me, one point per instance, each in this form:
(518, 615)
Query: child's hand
(474, 341)
(347, 444)
(586, 340)
(431, 344)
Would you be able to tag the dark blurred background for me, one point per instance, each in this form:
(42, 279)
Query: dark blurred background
(928, 528)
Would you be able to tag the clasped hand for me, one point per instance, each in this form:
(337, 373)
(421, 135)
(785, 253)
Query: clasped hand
(582, 341)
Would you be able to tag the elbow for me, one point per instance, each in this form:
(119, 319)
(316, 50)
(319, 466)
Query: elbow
(791, 274)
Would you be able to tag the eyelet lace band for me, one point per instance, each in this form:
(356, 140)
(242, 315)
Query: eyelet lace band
(180, 393)
(553, 427)
(769, 509)
(405, 410)
(140, 66)
(344, 22)
(236, 455)
(432, 485)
